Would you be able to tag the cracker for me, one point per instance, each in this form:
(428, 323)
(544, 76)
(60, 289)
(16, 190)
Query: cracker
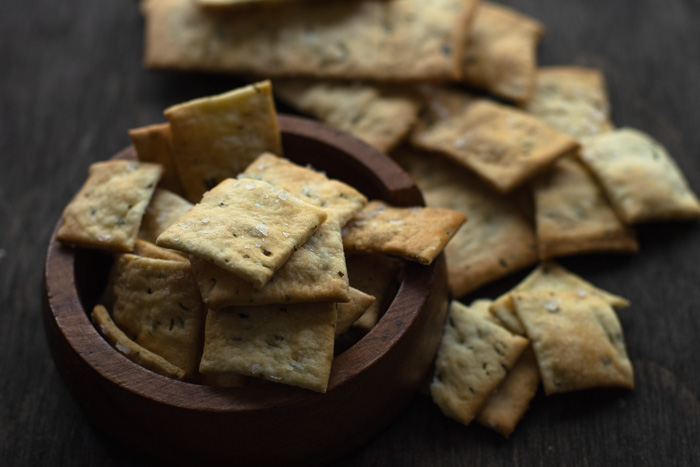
(496, 240)
(416, 234)
(216, 137)
(153, 143)
(507, 404)
(351, 311)
(501, 52)
(375, 275)
(163, 210)
(475, 355)
(375, 39)
(639, 177)
(290, 344)
(308, 185)
(149, 250)
(316, 272)
(548, 276)
(503, 145)
(157, 304)
(107, 211)
(130, 349)
(377, 115)
(246, 227)
(572, 100)
(577, 340)
(573, 216)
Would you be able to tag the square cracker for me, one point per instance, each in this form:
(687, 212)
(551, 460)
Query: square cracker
(130, 349)
(501, 52)
(548, 276)
(416, 234)
(315, 272)
(308, 185)
(376, 276)
(496, 240)
(639, 177)
(153, 143)
(572, 100)
(290, 344)
(374, 39)
(475, 355)
(351, 311)
(163, 210)
(577, 340)
(217, 137)
(246, 227)
(375, 114)
(573, 216)
(107, 211)
(503, 145)
(157, 304)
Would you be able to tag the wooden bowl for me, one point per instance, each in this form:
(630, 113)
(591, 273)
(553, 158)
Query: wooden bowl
(270, 424)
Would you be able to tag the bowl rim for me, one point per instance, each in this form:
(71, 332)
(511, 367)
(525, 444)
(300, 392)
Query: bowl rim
(64, 307)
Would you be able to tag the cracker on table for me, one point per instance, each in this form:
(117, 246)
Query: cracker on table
(150, 250)
(577, 340)
(153, 143)
(375, 114)
(374, 275)
(315, 272)
(572, 100)
(573, 216)
(416, 233)
(548, 276)
(503, 145)
(639, 177)
(246, 227)
(290, 344)
(308, 185)
(130, 349)
(163, 210)
(351, 311)
(375, 39)
(501, 52)
(216, 137)
(107, 211)
(507, 404)
(495, 241)
(157, 304)
(475, 355)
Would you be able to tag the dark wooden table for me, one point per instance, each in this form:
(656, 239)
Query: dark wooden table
(72, 84)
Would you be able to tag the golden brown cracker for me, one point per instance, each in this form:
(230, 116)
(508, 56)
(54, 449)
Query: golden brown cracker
(163, 210)
(375, 275)
(351, 311)
(149, 250)
(153, 143)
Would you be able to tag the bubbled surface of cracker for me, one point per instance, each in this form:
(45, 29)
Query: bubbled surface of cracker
(639, 177)
(375, 39)
(573, 216)
(375, 275)
(163, 210)
(286, 344)
(495, 241)
(315, 272)
(572, 100)
(308, 185)
(153, 143)
(351, 311)
(130, 349)
(577, 340)
(416, 234)
(503, 145)
(501, 52)
(216, 137)
(246, 227)
(107, 211)
(373, 113)
(474, 357)
(157, 304)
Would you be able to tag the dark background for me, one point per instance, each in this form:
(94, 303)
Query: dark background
(71, 84)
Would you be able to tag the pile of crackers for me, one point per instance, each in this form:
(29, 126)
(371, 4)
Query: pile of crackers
(451, 90)
(230, 260)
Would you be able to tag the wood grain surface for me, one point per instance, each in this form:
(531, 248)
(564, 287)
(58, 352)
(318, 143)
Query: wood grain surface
(72, 84)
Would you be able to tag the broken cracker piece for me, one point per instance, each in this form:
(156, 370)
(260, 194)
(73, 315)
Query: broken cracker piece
(374, 275)
(351, 311)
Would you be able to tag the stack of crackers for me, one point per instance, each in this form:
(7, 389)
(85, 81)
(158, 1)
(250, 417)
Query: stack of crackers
(231, 260)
